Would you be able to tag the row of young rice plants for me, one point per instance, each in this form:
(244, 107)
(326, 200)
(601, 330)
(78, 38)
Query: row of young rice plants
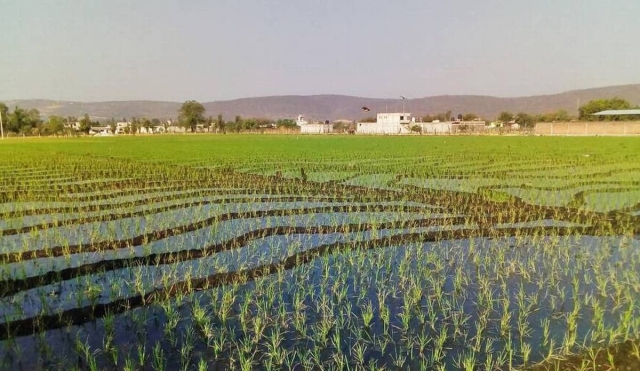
(245, 252)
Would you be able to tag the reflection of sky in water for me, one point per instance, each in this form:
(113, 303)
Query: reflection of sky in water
(130, 227)
(507, 264)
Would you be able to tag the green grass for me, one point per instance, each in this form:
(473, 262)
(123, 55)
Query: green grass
(437, 153)
(535, 168)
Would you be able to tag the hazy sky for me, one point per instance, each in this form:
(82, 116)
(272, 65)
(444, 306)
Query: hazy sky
(92, 50)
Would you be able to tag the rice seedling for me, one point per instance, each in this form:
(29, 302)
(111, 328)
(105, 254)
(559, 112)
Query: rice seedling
(375, 261)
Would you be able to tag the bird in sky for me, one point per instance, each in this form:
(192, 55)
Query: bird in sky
(364, 108)
(402, 97)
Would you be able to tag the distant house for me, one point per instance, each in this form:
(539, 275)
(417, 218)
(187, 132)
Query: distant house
(72, 125)
(400, 123)
(315, 128)
(123, 127)
(143, 130)
(102, 130)
(387, 123)
(103, 134)
(175, 129)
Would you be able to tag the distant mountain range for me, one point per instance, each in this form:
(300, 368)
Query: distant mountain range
(333, 107)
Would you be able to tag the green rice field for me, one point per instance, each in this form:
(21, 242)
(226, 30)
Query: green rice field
(266, 252)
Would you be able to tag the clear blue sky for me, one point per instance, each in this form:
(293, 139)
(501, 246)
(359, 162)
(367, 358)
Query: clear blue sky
(93, 50)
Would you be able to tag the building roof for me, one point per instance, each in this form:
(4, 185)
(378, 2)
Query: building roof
(615, 112)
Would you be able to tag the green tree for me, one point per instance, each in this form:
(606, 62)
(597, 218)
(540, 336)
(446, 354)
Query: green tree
(54, 126)
(4, 111)
(220, 124)
(263, 122)
(505, 116)
(428, 118)
(85, 124)
(34, 118)
(444, 116)
(586, 111)
(561, 115)
(525, 120)
(289, 123)
(16, 120)
(469, 117)
(22, 121)
(135, 125)
(191, 114)
(112, 126)
(557, 116)
(249, 124)
(146, 123)
(238, 123)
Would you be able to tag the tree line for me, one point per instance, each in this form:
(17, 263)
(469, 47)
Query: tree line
(25, 122)
(585, 113)
(192, 116)
(29, 122)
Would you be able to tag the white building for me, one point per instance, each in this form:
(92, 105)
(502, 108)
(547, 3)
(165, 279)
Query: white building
(123, 127)
(399, 123)
(315, 128)
(436, 127)
(151, 130)
(102, 130)
(72, 125)
(387, 123)
(175, 129)
(159, 129)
